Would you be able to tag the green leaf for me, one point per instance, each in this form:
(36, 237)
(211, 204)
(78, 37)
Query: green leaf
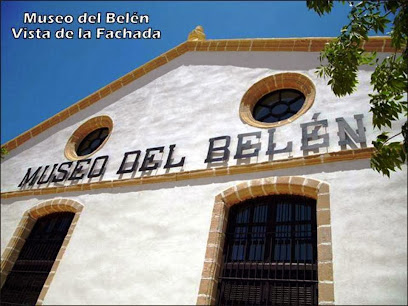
(342, 57)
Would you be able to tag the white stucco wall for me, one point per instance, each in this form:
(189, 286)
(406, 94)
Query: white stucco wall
(146, 244)
(186, 102)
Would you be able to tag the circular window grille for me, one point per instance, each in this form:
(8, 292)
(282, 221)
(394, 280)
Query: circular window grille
(92, 141)
(278, 105)
(89, 138)
(277, 100)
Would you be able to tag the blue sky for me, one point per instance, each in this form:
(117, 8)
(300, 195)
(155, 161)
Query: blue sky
(39, 78)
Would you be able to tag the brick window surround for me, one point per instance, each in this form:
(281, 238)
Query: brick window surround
(287, 80)
(81, 132)
(27, 222)
(293, 185)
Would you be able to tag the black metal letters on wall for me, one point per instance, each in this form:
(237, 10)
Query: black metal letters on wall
(314, 137)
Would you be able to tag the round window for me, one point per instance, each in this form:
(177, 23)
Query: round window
(277, 100)
(89, 138)
(92, 141)
(278, 105)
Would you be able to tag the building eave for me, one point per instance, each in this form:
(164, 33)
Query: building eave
(303, 44)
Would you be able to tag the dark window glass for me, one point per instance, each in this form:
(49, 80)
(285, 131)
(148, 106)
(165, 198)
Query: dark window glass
(278, 105)
(30, 271)
(92, 141)
(270, 253)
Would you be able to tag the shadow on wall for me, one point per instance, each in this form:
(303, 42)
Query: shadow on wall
(286, 61)
(309, 170)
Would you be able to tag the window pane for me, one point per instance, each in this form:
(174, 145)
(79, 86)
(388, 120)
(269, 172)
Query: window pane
(30, 271)
(278, 105)
(92, 141)
(260, 112)
(272, 247)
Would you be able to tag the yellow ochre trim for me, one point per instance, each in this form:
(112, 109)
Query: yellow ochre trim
(204, 173)
(305, 44)
(27, 222)
(80, 133)
(286, 80)
(296, 185)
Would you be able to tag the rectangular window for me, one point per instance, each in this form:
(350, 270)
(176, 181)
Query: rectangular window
(270, 253)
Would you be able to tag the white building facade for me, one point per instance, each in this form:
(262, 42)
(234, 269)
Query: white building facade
(182, 142)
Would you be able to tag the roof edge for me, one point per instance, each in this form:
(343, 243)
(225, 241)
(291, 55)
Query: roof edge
(303, 44)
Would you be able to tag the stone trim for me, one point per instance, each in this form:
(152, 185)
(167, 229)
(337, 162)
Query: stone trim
(287, 80)
(197, 34)
(204, 173)
(297, 185)
(80, 133)
(27, 222)
(306, 44)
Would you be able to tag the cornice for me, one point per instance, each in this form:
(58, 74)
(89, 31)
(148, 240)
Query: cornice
(204, 173)
(305, 44)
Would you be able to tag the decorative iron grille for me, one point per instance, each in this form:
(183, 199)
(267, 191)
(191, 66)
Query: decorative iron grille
(278, 105)
(270, 253)
(92, 141)
(30, 271)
